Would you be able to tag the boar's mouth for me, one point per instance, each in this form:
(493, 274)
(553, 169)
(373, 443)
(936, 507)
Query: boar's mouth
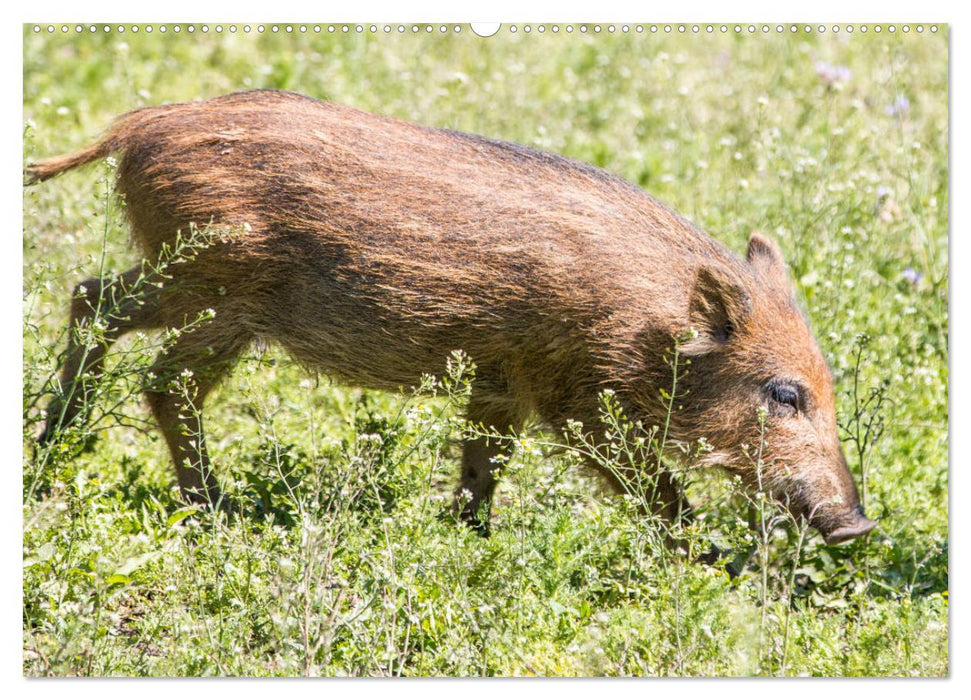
(837, 523)
(854, 524)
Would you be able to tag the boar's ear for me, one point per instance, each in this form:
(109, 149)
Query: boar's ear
(765, 257)
(719, 308)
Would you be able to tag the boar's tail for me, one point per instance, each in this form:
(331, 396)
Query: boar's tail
(113, 140)
(49, 167)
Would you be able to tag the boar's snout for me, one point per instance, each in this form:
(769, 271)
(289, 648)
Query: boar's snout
(853, 525)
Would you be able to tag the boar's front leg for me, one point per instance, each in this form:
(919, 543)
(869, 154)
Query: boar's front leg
(473, 497)
(185, 373)
(663, 495)
(666, 500)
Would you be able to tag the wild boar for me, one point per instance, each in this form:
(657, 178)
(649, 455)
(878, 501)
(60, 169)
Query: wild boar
(367, 247)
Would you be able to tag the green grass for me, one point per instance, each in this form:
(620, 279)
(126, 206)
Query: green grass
(353, 570)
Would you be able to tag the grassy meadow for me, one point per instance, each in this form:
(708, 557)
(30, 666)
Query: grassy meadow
(346, 561)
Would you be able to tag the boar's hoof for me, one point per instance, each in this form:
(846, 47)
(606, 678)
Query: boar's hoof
(715, 555)
(476, 524)
(212, 499)
(479, 527)
(53, 432)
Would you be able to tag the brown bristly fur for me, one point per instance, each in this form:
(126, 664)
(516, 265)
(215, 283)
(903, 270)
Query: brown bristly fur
(369, 247)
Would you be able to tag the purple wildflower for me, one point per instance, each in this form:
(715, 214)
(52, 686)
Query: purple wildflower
(912, 275)
(899, 108)
(833, 76)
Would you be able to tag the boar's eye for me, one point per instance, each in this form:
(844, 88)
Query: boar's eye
(784, 394)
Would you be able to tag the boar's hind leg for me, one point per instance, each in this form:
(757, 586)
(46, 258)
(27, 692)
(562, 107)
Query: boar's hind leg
(479, 472)
(115, 305)
(185, 373)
